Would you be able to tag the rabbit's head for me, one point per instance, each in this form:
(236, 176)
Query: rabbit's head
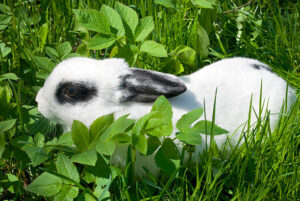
(84, 89)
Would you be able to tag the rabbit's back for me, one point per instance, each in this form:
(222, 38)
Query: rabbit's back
(236, 81)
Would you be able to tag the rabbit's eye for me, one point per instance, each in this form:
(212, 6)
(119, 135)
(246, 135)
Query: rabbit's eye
(71, 91)
(74, 92)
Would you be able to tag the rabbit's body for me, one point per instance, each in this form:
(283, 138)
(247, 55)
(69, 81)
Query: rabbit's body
(236, 80)
(111, 87)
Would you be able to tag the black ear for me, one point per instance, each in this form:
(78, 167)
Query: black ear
(146, 86)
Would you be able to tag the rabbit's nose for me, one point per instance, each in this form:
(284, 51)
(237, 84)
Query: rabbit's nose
(39, 95)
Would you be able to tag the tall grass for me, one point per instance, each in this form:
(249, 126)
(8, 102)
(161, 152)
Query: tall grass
(266, 167)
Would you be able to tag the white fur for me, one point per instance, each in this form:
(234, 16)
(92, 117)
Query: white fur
(235, 79)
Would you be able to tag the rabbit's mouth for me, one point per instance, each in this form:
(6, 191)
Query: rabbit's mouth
(48, 115)
(43, 107)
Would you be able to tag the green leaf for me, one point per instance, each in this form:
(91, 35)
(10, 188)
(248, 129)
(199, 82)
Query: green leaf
(114, 51)
(88, 157)
(82, 50)
(154, 127)
(161, 122)
(167, 3)
(163, 109)
(203, 3)
(36, 154)
(64, 143)
(128, 15)
(199, 40)
(187, 56)
(105, 147)
(139, 126)
(65, 167)
(99, 126)
(12, 178)
(190, 136)
(5, 19)
(98, 192)
(140, 143)
(144, 28)
(2, 143)
(121, 125)
(187, 119)
(114, 19)
(91, 20)
(43, 63)
(5, 8)
(67, 193)
(102, 189)
(4, 50)
(9, 76)
(3, 27)
(42, 74)
(101, 170)
(43, 32)
(5, 97)
(22, 141)
(167, 157)
(66, 139)
(6, 125)
(121, 138)
(129, 52)
(207, 19)
(80, 135)
(152, 144)
(205, 127)
(71, 55)
(172, 64)
(51, 52)
(63, 49)
(39, 140)
(154, 49)
(100, 41)
(45, 185)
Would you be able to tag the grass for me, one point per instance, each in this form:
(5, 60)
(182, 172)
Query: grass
(264, 168)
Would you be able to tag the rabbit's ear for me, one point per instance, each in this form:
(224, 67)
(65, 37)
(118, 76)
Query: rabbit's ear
(146, 86)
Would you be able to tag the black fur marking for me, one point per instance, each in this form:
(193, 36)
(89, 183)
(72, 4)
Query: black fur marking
(147, 86)
(75, 92)
(261, 66)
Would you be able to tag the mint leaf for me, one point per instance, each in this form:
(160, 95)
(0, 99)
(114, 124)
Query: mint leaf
(154, 49)
(205, 127)
(100, 41)
(190, 136)
(187, 119)
(67, 193)
(98, 128)
(65, 167)
(91, 20)
(80, 135)
(6, 125)
(88, 157)
(167, 157)
(114, 19)
(144, 28)
(9, 76)
(36, 154)
(46, 185)
(128, 15)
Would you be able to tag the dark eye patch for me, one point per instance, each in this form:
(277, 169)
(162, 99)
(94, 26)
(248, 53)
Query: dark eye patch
(261, 66)
(75, 92)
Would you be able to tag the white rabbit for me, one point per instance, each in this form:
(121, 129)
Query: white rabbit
(85, 89)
